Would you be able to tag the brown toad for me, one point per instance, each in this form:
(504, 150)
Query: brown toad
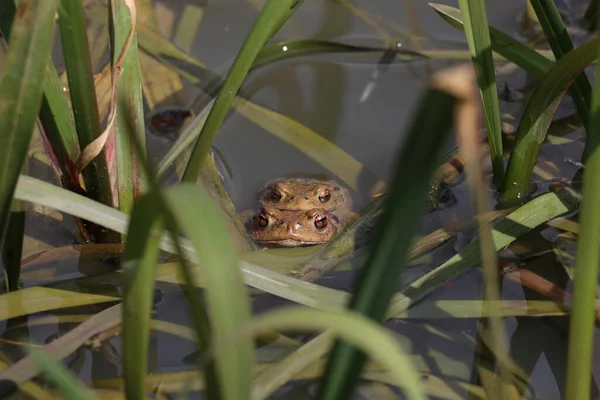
(300, 211)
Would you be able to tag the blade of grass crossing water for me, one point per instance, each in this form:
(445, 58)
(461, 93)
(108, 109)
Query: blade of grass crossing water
(72, 22)
(376, 282)
(139, 265)
(227, 297)
(478, 37)
(198, 315)
(63, 378)
(537, 117)
(581, 333)
(21, 85)
(352, 327)
(272, 16)
(560, 42)
(503, 44)
(515, 225)
(130, 110)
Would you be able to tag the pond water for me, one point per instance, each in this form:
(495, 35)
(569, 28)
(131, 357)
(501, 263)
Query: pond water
(337, 97)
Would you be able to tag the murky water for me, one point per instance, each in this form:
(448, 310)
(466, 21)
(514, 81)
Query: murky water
(335, 97)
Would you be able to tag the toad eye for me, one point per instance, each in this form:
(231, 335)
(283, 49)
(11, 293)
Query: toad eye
(321, 221)
(325, 196)
(263, 220)
(276, 195)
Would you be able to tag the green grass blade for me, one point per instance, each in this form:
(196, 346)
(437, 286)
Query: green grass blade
(64, 379)
(560, 42)
(478, 38)
(227, 297)
(130, 109)
(139, 265)
(348, 325)
(537, 118)
(57, 119)
(503, 44)
(55, 113)
(515, 225)
(272, 16)
(25, 369)
(581, 333)
(21, 85)
(376, 282)
(73, 34)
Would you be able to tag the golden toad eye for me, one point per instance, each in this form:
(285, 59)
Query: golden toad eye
(275, 195)
(321, 221)
(325, 196)
(263, 220)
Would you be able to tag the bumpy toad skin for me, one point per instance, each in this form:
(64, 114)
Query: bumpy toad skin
(293, 228)
(305, 194)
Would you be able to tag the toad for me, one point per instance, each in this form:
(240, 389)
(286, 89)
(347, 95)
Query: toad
(305, 194)
(293, 228)
(299, 212)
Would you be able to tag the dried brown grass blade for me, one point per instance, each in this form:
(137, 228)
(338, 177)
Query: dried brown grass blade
(467, 119)
(92, 150)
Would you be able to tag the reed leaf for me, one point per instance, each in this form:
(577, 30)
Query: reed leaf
(515, 225)
(537, 117)
(21, 85)
(130, 108)
(38, 299)
(227, 298)
(478, 38)
(271, 17)
(522, 55)
(139, 266)
(63, 378)
(348, 325)
(25, 369)
(55, 114)
(376, 282)
(581, 332)
(76, 52)
(560, 42)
